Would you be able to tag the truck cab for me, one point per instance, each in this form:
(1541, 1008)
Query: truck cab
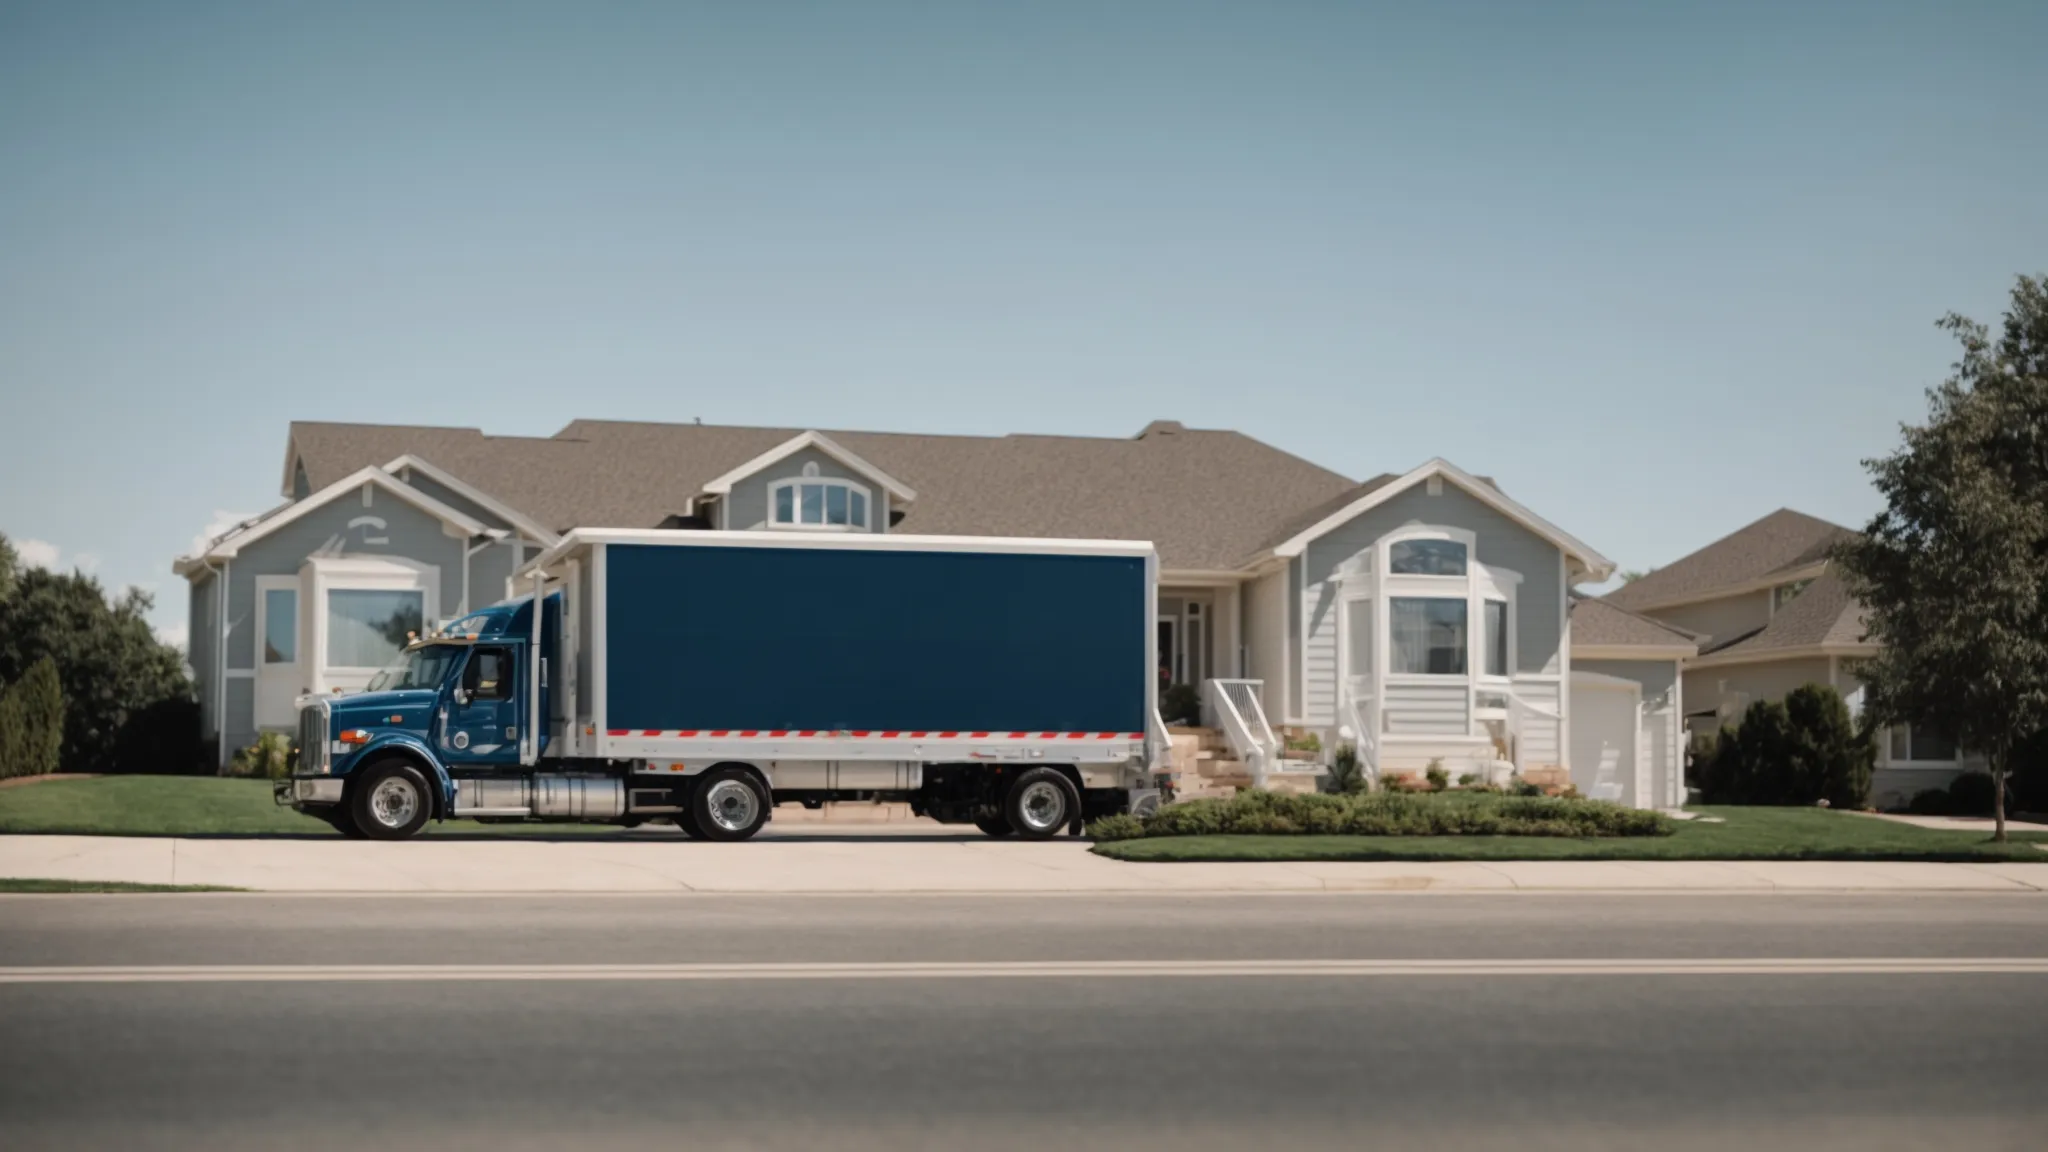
(456, 702)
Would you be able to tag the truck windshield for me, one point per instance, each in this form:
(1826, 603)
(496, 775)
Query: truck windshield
(420, 668)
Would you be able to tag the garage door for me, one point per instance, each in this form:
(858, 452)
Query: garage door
(1606, 737)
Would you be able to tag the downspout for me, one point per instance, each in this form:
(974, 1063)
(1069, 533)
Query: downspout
(220, 662)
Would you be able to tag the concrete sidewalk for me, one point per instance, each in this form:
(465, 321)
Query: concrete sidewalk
(815, 860)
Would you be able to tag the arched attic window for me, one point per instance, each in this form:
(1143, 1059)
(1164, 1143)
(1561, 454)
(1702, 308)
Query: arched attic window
(815, 503)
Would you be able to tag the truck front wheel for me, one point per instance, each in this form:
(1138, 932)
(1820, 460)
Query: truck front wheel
(391, 802)
(1040, 804)
(728, 804)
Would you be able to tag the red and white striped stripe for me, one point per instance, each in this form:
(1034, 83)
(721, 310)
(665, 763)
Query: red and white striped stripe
(827, 734)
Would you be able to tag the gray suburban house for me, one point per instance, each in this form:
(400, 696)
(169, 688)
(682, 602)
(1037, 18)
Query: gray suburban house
(1770, 613)
(1427, 618)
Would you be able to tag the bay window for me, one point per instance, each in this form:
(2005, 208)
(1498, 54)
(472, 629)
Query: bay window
(368, 627)
(1429, 636)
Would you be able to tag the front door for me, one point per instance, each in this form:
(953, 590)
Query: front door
(1170, 671)
(483, 718)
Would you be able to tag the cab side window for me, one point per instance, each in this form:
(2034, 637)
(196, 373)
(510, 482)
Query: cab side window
(489, 675)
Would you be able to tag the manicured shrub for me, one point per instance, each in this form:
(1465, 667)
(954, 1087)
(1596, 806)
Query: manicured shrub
(1437, 777)
(32, 723)
(1971, 794)
(1796, 751)
(269, 758)
(1931, 802)
(1121, 826)
(1346, 775)
(1398, 814)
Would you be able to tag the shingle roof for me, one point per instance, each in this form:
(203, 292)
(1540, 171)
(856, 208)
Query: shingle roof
(1823, 615)
(1783, 541)
(1601, 624)
(1207, 499)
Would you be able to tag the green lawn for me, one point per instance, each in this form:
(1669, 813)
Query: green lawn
(192, 806)
(1745, 834)
(16, 884)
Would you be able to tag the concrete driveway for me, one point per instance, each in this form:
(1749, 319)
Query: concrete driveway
(892, 858)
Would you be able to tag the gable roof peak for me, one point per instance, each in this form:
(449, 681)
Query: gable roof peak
(1784, 541)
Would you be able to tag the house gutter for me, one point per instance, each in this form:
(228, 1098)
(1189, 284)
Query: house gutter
(220, 660)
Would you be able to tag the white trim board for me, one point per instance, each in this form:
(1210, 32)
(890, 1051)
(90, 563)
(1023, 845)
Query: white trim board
(856, 541)
(1598, 567)
(722, 486)
(1734, 657)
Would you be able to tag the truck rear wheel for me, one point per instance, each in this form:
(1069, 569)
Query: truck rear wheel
(1041, 803)
(728, 804)
(994, 824)
(391, 801)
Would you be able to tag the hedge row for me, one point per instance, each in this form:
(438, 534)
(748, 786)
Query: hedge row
(1386, 814)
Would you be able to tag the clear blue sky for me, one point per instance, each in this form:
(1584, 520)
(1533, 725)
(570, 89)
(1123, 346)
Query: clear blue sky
(1660, 268)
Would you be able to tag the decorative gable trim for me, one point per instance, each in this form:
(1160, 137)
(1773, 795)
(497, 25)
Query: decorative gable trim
(722, 486)
(228, 546)
(1597, 567)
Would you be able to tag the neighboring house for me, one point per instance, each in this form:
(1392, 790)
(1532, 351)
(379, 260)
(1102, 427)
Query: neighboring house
(1771, 615)
(1424, 616)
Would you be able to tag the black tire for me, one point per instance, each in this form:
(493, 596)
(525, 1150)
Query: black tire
(727, 804)
(1041, 803)
(380, 805)
(995, 824)
(687, 819)
(343, 821)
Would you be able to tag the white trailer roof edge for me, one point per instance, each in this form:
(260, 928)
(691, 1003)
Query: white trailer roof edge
(849, 541)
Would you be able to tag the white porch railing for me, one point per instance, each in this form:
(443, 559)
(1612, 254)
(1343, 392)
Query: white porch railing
(1233, 706)
(1362, 712)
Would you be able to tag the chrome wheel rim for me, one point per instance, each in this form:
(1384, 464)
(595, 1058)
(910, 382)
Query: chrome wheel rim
(732, 805)
(1043, 806)
(394, 802)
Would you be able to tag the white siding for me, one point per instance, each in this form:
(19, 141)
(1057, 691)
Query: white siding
(1428, 709)
(1265, 635)
(1539, 744)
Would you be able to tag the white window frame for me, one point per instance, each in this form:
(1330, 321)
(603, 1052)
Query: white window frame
(1887, 760)
(810, 476)
(359, 574)
(1407, 586)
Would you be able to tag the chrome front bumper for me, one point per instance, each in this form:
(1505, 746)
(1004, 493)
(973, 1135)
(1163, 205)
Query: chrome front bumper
(301, 790)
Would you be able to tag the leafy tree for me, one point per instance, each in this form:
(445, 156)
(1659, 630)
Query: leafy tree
(1632, 575)
(124, 694)
(1954, 572)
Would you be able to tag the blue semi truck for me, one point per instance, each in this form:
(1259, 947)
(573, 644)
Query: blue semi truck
(705, 677)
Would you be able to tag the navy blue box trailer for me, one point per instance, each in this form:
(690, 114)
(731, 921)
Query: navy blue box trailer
(705, 677)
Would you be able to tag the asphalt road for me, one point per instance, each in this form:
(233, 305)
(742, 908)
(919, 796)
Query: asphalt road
(1587, 1051)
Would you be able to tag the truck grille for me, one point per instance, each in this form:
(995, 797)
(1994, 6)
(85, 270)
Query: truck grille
(313, 738)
